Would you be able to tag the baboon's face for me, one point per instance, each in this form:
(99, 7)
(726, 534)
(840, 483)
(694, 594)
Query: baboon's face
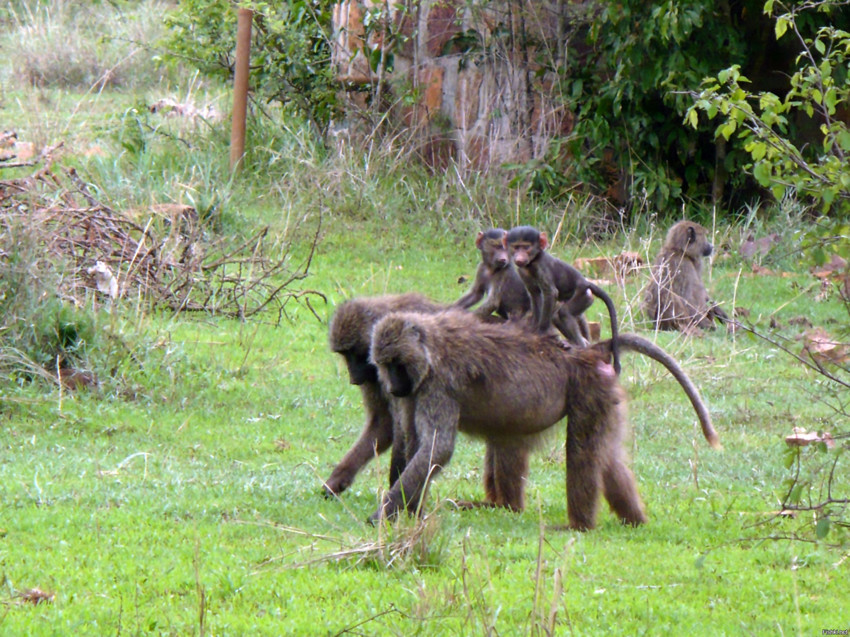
(360, 370)
(493, 252)
(524, 244)
(349, 337)
(697, 241)
(522, 253)
(399, 380)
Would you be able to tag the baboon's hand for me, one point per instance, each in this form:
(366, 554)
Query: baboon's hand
(333, 487)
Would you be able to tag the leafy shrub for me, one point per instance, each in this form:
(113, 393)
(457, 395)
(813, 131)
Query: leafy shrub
(813, 167)
(290, 50)
(34, 322)
(628, 76)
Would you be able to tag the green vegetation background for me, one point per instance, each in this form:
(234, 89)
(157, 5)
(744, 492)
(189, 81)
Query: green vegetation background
(183, 496)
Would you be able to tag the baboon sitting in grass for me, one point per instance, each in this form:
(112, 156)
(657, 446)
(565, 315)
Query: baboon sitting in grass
(675, 297)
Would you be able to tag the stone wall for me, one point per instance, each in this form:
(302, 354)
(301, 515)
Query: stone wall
(481, 96)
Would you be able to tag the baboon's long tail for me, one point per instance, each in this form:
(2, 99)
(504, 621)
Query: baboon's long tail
(599, 293)
(635, 343)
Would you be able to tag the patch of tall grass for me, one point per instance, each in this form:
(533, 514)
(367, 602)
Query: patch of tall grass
(82, 45)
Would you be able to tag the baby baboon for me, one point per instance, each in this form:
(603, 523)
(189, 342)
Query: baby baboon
(350, 336)
(549, 280)
(675, 298)
(508, 386)
(498, 279)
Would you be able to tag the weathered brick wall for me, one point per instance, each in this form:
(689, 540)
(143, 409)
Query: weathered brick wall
(484, 104)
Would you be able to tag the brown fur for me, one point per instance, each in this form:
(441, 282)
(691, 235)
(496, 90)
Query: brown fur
(496, 278)
(462, 375)
(675, 298)
(477, 378)
(550, 280)
(350, 336)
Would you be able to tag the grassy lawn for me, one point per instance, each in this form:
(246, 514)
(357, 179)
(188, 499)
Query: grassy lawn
(183, 496)
(198, 507)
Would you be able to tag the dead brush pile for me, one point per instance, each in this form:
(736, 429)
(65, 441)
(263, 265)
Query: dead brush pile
(163, 255)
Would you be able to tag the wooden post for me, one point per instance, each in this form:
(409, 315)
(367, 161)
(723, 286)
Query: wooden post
(240, 87)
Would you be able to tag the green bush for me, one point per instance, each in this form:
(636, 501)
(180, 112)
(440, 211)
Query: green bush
(290, 50)
(628, 77)
(41, 329)
(813, 167)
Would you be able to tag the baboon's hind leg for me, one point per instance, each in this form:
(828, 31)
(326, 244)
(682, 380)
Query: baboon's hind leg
(506, 468)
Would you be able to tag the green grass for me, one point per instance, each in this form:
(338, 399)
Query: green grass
(184, 495)
(206, 494)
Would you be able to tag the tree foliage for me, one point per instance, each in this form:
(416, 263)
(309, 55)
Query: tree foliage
(629, 79)
(811, 166)
(626, 81)
(290, 49)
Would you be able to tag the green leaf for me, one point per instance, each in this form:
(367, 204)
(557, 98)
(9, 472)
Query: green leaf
(830, 100)
(791, 454)
(375, 59)
(796, 494)
(822, 528)
(757, 150)
(576, 89)
(693, 118)
(781, 27)
(761, 171)
(828, 196)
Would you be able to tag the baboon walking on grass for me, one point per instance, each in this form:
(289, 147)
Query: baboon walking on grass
(509, 386)
(350, 336)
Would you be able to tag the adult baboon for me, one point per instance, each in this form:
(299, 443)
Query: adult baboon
(549, 280)
(675, 297)
(496, 278)
(350, 336)
(509, 386)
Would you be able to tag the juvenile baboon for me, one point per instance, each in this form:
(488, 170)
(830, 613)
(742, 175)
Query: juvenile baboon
(549, 280)
(675, 297)
(350, 336)
(509, 386)
(496, 278)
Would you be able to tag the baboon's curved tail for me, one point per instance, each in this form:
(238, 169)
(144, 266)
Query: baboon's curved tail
(635, 343)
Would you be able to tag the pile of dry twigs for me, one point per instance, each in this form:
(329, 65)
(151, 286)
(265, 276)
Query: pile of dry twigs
(164, 255)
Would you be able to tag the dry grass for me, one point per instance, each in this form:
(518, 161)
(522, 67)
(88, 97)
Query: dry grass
(59, 44)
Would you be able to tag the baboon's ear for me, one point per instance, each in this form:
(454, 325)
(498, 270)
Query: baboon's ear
(692, 234)
(416, 330)
(478, 239)
(544, 241)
